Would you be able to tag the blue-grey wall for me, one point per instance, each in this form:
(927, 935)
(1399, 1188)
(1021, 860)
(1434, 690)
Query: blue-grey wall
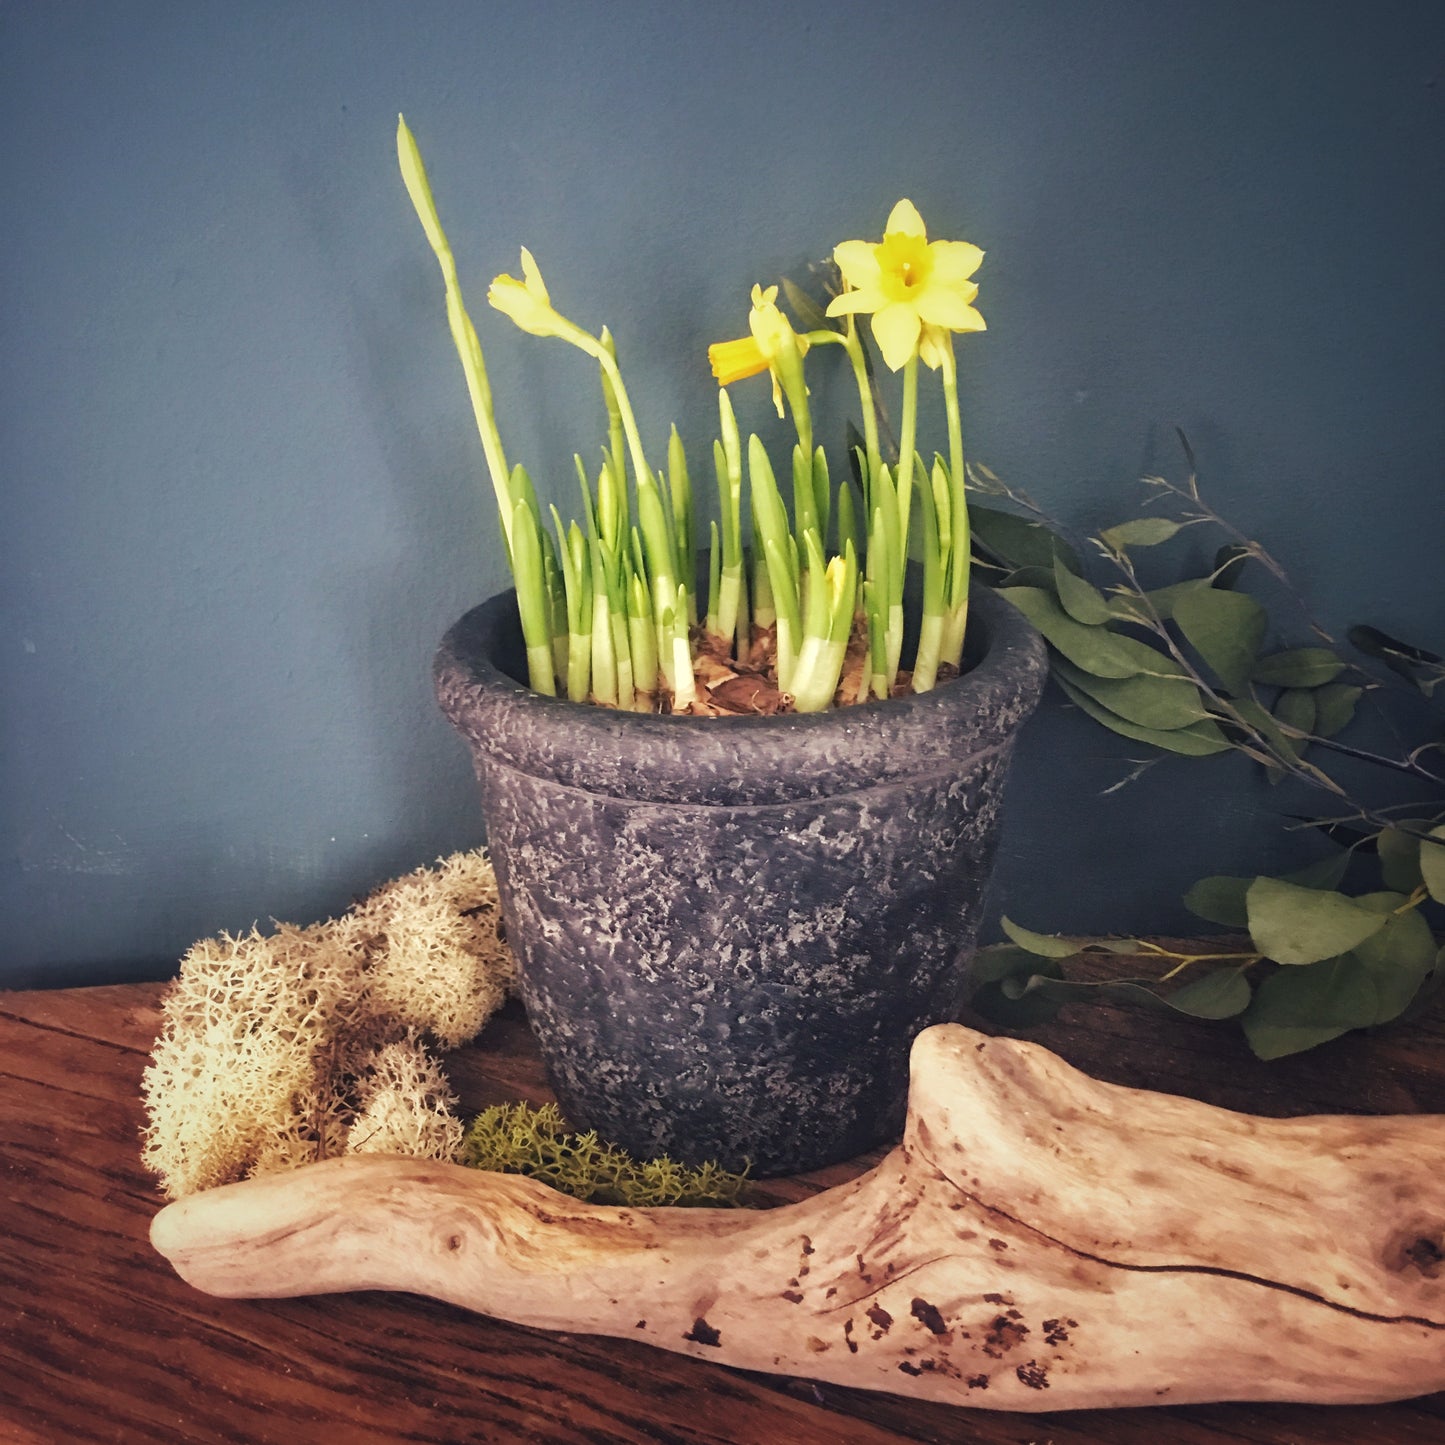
(241, 494)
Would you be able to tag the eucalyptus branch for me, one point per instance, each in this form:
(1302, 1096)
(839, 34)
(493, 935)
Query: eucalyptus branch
(1408, 765)
(1205, 513)
(1278, 757)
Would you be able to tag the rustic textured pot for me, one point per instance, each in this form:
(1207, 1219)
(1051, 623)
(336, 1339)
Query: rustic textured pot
(730, 930)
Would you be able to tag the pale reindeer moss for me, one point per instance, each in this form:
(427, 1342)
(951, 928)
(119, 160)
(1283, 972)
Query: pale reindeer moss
(405, 1105)
(305, 1043)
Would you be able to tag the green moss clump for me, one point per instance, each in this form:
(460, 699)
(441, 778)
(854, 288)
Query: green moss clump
(518, 1139)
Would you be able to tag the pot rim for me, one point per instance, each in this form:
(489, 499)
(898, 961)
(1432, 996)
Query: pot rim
(791, 756)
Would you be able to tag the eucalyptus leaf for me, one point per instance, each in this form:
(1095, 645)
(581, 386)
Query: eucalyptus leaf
(1095, 649)
(1220, 900)
(1326, 873)
(1425, 669)
(1220, 994)
(1203, 998)
(1196, 741)
(1151, 702)
(1080, 599)
(1041, 577)
(1000, 961)
(1385, 901)
(1399, 958)
(1299, 667)
(1162, 599)
(1335, 707)
(1399, 852)
(1020, 999)
(811, 316)
(1141, 532)
(1295, 707)
(1433, 984)
(1295, 925)
(1263, 722)
(1298, 1008)
(1432, 863)
(1229, 562)
(1045, 945)
(857, 450)
(1018, 541)
(1225, 629)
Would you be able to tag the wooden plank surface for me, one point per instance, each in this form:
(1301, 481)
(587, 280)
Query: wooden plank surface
(99, 1341)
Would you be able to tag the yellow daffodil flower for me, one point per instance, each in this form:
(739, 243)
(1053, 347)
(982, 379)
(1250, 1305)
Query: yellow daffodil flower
(907, 283)
(527, 301)
(771, 334)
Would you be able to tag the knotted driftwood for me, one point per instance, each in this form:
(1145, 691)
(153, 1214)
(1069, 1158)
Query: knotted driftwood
(1040, 1240)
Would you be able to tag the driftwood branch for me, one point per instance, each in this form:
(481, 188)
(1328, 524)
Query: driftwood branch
(1040, 1240)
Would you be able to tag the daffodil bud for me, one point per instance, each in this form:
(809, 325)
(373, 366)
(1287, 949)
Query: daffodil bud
(526, 302)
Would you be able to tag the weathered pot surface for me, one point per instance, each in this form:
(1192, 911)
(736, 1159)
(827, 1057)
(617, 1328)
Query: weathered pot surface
(730, 930)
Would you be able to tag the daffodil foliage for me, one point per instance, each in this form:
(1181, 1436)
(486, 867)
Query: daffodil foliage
(811, 615)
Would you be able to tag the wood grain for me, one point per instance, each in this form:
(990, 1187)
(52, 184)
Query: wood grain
(100, 1341)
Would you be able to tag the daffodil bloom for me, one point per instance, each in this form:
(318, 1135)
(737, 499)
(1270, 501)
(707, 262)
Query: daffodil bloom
(527, 302)
(907, 282)
(763, 350)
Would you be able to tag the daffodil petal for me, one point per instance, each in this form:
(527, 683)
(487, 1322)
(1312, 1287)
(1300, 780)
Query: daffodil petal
(954, 261)
(533, 278)
(895, 329)
(947, 308)
(904, 217)
(777, 393)
(858, 261)
(850, 302)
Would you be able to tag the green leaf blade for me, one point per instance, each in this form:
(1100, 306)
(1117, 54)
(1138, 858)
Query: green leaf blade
(1335, 707)
(1198, 740)
(1300, 1008)
(1223, 993)
(1298, 667)
(1141, 532)
(1225, 629)
(1296, 926)
(1150, 701)
(1398, 958)
(1220, 900)
(1080, 599)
